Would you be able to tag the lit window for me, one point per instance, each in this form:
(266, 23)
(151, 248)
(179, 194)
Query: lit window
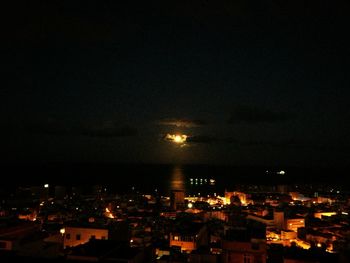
(176, 238)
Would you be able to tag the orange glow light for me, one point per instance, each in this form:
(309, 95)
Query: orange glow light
(176, 138)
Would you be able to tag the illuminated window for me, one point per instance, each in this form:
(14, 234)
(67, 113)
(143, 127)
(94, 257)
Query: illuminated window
(176, 238)
(78, 237)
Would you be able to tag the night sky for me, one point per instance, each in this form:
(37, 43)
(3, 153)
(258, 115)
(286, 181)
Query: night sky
(249, 82)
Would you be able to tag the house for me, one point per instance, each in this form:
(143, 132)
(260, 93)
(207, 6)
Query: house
(79, 234)
(12, 233)
(105, 251)
(189, 236)
(244, 245)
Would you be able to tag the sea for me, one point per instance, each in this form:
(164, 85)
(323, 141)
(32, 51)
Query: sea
(148, 178)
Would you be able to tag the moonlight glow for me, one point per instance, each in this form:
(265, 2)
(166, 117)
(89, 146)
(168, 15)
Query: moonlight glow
(176, 138)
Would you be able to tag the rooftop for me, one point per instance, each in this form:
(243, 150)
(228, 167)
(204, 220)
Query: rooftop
(188, 228)
(85, 224)
(104, 248)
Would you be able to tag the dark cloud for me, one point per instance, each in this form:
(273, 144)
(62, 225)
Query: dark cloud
(248, 114)
(202, 139)
(298, 144)
(280, 145)
(117, 131)
(188, 123)
(103, 130)
(197, 139)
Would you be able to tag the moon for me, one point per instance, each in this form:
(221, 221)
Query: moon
(176, 138)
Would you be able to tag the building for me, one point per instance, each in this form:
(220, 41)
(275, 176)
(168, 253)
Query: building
(287, 236)
(173, 258)
(267, 221)
(245, 244)
(278, 217)
(105, 251)
(238, 249)
(282, 189)
(12, 234)
(60, 192)
(322, 214)
(75, 235)
(203, 255)
(243, 197)
(189, 236)
(177, 199)
(221, 215)
(294, 223)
